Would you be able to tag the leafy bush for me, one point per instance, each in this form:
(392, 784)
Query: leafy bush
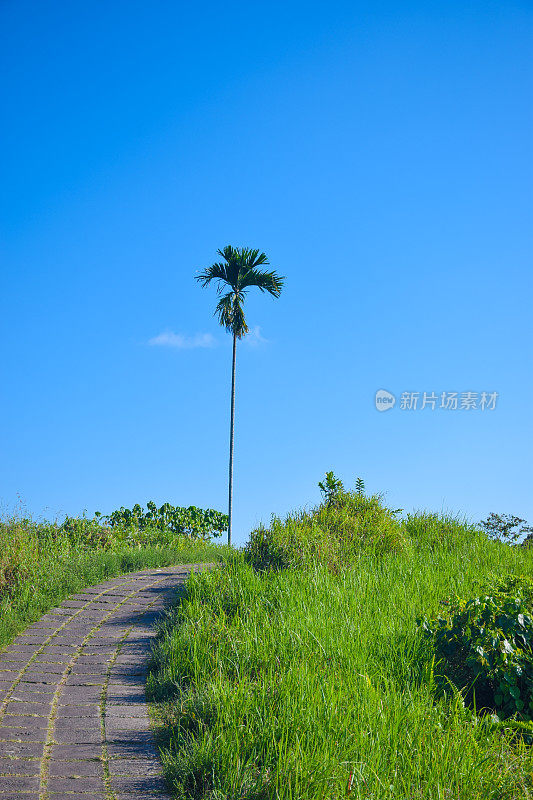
(486, 647)
(194, 522)
(333, 534)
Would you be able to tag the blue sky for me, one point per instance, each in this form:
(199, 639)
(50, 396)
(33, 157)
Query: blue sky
(381, 155)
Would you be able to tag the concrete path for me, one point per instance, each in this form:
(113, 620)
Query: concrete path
(73, 719)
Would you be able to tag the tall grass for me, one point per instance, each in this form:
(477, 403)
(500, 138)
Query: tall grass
(333, 533)
(316, 683)
(42, 563)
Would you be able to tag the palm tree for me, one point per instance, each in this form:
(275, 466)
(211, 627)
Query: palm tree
(238, 272)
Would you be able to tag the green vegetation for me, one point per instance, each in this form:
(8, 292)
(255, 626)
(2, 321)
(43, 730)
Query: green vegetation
(238, 272)
(335, 533)
(506, 527)
(41, 563)
(171, 521)
(485, 645)
(331, 488)
(298, 669)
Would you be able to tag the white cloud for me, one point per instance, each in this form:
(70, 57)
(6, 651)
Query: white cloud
(181, 342)
(253, 337)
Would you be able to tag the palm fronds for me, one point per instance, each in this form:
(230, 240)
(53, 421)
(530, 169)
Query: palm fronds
(215, 272)
(231, 314)
(263, 280)
(238, 273)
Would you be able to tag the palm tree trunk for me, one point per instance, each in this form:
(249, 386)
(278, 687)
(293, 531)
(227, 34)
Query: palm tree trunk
(231, 436)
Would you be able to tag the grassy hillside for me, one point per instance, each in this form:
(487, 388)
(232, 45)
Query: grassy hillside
(42, 563)
(309, 677)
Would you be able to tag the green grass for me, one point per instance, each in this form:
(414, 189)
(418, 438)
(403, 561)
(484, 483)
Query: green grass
(316, 682)
(41, 564)
(334, 534)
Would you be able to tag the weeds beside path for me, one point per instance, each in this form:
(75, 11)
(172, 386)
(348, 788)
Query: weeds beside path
(40, 566)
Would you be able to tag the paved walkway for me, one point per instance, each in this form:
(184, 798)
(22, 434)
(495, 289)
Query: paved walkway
(73, 719)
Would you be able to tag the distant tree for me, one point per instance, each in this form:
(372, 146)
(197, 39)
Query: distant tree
(506, 527)
(238, 272)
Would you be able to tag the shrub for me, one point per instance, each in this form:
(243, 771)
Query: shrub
(194, 522)
(485, 645)
(334, 533)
